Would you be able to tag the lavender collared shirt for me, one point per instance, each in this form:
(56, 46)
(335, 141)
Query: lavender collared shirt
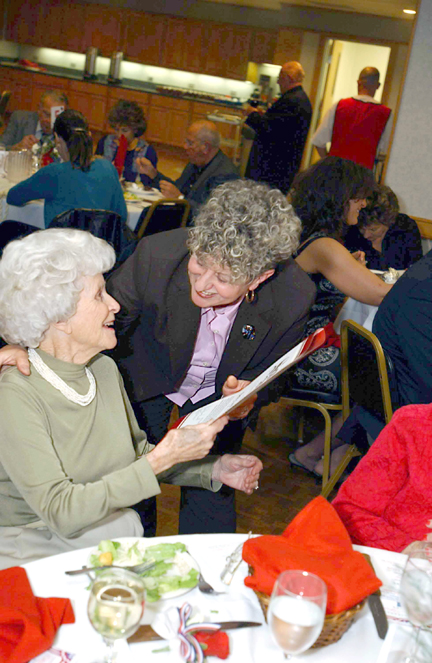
(213, 333)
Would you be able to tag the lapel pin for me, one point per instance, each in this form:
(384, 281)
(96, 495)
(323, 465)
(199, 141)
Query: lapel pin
(248, 332)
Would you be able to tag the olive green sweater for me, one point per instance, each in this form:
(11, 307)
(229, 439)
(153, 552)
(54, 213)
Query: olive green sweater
(68, 465)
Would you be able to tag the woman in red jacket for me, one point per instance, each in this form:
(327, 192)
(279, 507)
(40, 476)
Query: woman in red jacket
(387, 501)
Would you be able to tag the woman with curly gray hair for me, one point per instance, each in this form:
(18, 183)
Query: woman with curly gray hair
(72, 456)
(204, 311)
(128, 121)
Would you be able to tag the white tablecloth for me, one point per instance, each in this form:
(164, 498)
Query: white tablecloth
(33, 212)
(353, 310)
(359, 645)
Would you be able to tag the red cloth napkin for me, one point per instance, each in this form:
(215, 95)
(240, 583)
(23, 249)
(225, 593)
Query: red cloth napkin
(315, 541)
(121, 155)
(28, 624)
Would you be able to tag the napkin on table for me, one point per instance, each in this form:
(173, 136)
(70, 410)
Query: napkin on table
(28, 624)
(315, 541)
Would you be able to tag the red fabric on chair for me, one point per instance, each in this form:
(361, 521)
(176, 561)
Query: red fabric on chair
(315, 541)
(28, 624)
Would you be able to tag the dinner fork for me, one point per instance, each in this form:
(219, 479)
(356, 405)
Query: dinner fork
(137, 568)
(205, 588)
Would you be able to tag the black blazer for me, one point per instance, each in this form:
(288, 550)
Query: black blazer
(158, 322)
(280, 138)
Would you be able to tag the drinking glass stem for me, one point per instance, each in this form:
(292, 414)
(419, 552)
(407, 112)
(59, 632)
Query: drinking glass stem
(111, 654)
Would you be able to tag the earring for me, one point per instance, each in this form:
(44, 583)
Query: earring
(250, 296)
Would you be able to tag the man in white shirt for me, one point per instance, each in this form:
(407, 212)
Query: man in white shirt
(25, 128)
(359, 127)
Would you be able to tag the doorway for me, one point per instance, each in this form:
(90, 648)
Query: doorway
(341, 65)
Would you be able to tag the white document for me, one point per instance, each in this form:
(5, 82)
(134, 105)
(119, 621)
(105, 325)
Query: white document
(225, 405)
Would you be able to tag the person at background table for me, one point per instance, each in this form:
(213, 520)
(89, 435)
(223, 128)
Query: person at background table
(72, 454)
(203, 305)
(26, 128)
(403, 324)
(327, 198)
(80, 181)
(208, 167)
(128, 120)
(280, 132)
(387, 501)
(386, 237)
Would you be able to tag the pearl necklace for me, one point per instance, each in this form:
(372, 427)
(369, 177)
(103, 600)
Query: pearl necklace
(59, 384)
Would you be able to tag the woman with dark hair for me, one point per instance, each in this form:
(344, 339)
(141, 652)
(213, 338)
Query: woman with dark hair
(328, 197)
(80, 181)
(387, 237)
(128, 120)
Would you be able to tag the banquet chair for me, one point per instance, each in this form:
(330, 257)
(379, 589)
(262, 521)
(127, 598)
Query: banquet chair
(163, 215)
(367, 379)
(101, 223)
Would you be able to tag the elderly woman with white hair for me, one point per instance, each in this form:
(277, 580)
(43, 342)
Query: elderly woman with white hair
(72, 455)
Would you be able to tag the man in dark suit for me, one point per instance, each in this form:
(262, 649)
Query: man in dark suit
(207, 168)
(281, 132)
(403, 324)
(25, 128)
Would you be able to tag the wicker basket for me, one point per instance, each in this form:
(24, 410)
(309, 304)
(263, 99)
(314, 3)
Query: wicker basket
(334, 625)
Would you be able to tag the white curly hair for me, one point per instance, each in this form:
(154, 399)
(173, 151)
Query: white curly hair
(41, 280)
(247, 227)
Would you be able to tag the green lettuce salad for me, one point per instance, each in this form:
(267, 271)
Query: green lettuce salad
(173, 570)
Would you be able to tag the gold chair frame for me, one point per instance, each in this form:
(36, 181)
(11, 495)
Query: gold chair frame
(160, 203)
(328, 483)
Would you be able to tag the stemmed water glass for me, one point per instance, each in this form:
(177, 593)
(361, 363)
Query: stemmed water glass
(115, 607)
(296, 611)
(416, 594)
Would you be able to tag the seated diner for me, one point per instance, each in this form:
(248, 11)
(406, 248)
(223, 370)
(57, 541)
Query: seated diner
(128, 120)
(72, 456)
(387, 237)
(80, 181)
(327, 198)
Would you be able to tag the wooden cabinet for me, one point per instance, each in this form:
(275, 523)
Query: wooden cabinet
(288, 46)
(144, 37)
(168, 120)
(185, 45)
(63, 23)
(91, 100)
(21, 87)
(103, 29)
(24, 22)
(227, 52)
(263, 46)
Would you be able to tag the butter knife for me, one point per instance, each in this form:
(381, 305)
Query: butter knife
(377, 608)
(145, 632)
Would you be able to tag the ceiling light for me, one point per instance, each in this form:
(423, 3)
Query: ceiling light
(409, 11)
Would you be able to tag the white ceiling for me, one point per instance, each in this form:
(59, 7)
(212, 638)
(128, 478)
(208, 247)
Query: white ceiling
(392, 8)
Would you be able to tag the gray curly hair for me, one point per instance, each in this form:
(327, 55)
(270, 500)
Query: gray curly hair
(247, 227)
(41, 280)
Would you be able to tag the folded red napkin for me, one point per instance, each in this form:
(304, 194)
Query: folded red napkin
(315, 541)
(28, 624)
(121, 155)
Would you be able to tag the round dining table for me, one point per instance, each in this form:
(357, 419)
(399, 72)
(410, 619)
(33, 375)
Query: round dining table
(33, 212)
(360, 644)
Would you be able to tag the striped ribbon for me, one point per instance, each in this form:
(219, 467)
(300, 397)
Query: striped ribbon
(190, 648)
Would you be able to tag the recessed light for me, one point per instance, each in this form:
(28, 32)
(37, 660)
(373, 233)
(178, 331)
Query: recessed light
(409, 11)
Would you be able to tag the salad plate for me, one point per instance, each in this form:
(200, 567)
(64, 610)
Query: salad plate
(175, 573)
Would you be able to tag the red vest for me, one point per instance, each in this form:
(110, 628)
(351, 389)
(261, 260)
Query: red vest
(357, 130)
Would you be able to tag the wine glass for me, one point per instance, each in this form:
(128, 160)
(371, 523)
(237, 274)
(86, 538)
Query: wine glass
(416, 593)
(296, 611)
(115, 607)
